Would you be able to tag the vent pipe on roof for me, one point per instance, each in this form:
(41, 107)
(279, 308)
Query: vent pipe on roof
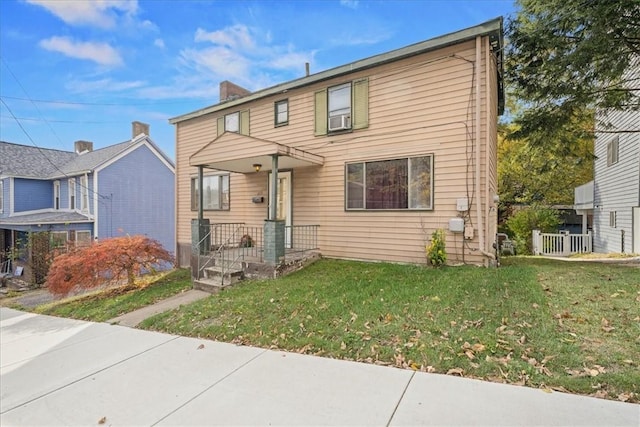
(81, 147)
(306, 68)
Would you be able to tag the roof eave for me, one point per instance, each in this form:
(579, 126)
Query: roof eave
(493, 26)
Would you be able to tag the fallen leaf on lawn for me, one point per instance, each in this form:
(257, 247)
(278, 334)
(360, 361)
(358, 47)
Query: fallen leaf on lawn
(535, 305)
(545, 389)
(102, 420)
(201, 346)
(456, 371)
(354, 316)
(614, 295)
(624, 397)
(435, 298)
(628, 361)
(474, 365)
(522, 339)
(600, 394)
(470, 354)
(501, 329)
(343, 346)
(429, 369)
(478, 348)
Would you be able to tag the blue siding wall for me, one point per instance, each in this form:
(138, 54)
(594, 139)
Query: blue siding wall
(32, 194)
(137, 196)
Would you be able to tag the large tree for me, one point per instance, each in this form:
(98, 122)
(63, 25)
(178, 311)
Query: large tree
(565, 57)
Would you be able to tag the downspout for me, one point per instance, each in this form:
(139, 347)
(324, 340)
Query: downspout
(478, 136)
(200, 195)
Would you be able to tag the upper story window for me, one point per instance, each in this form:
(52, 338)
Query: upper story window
(281, 109)
(237, 122)
(339, 107)
(56, 195)
(84, 194)
(405, 183)
(215, 195)
(232, 122)
(612, 152)
(612, 219)
(342, 107)
(72, 193)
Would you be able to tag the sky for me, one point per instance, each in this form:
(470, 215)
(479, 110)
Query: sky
(85, 69)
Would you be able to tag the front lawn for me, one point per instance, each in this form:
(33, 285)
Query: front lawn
(535, 322)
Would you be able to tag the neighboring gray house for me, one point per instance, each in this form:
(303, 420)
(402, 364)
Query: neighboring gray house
(614, 201)
(79, 196)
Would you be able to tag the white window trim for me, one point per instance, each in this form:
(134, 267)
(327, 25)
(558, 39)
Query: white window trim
(84, 193)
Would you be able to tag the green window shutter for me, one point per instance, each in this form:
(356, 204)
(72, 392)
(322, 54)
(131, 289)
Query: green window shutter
(321, 112)
(244, 122)
(360, 104)
(220, 125)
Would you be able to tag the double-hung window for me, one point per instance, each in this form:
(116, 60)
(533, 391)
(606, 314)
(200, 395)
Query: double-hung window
(84, 194)
(56, 195)
(215, 195)
(342, 107)
(405, 183)
(281, 110)
(72, 193)
(237, 122)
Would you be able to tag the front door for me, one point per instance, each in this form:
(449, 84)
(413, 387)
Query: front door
(284, 207)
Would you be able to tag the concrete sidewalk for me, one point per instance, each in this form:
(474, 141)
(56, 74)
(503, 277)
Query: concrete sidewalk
(57, 371)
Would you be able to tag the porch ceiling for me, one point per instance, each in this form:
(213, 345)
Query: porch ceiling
(238, 153)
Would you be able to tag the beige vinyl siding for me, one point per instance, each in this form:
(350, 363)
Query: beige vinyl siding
(417, 106)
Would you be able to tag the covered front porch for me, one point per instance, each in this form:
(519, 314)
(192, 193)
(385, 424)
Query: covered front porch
(224, 252)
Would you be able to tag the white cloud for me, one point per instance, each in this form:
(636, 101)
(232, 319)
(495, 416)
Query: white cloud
(99, 13)
(237, 36)
(101, 53)
(351, 4)
(159, 43)
(103, 85)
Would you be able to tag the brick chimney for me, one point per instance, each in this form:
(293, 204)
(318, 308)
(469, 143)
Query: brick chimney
(230, 91)
(81, 147)
(138, 127)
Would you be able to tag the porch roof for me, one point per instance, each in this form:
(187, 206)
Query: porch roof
(45, 218)
(234, 152)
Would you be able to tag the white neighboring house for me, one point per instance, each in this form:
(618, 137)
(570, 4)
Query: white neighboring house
(613, 197)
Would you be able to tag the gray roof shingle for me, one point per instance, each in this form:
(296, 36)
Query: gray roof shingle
(44, 163)
(56, 217)
(31, 162)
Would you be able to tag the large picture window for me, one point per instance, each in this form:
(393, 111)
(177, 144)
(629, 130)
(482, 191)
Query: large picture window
(405, 183)
(215, 195)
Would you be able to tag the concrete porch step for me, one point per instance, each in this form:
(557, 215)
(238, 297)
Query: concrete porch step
(212, 286)
(231, 275)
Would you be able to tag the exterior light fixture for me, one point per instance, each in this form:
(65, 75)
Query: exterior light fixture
(257, 166)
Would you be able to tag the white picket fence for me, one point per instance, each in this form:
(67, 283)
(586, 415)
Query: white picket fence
(561, 244)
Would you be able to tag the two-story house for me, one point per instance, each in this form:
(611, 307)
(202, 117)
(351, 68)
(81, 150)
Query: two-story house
(612, 199)
(82, 195)
(375, 155)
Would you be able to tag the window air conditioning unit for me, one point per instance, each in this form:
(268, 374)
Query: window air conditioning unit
(340, 122)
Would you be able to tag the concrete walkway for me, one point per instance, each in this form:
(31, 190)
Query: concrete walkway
(133, 318)
(56, 371)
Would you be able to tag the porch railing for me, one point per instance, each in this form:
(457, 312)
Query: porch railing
(227, 244)
(301, 238)
(561, 244)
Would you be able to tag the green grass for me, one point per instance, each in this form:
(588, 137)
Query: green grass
(535, 322)
(113, 302)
